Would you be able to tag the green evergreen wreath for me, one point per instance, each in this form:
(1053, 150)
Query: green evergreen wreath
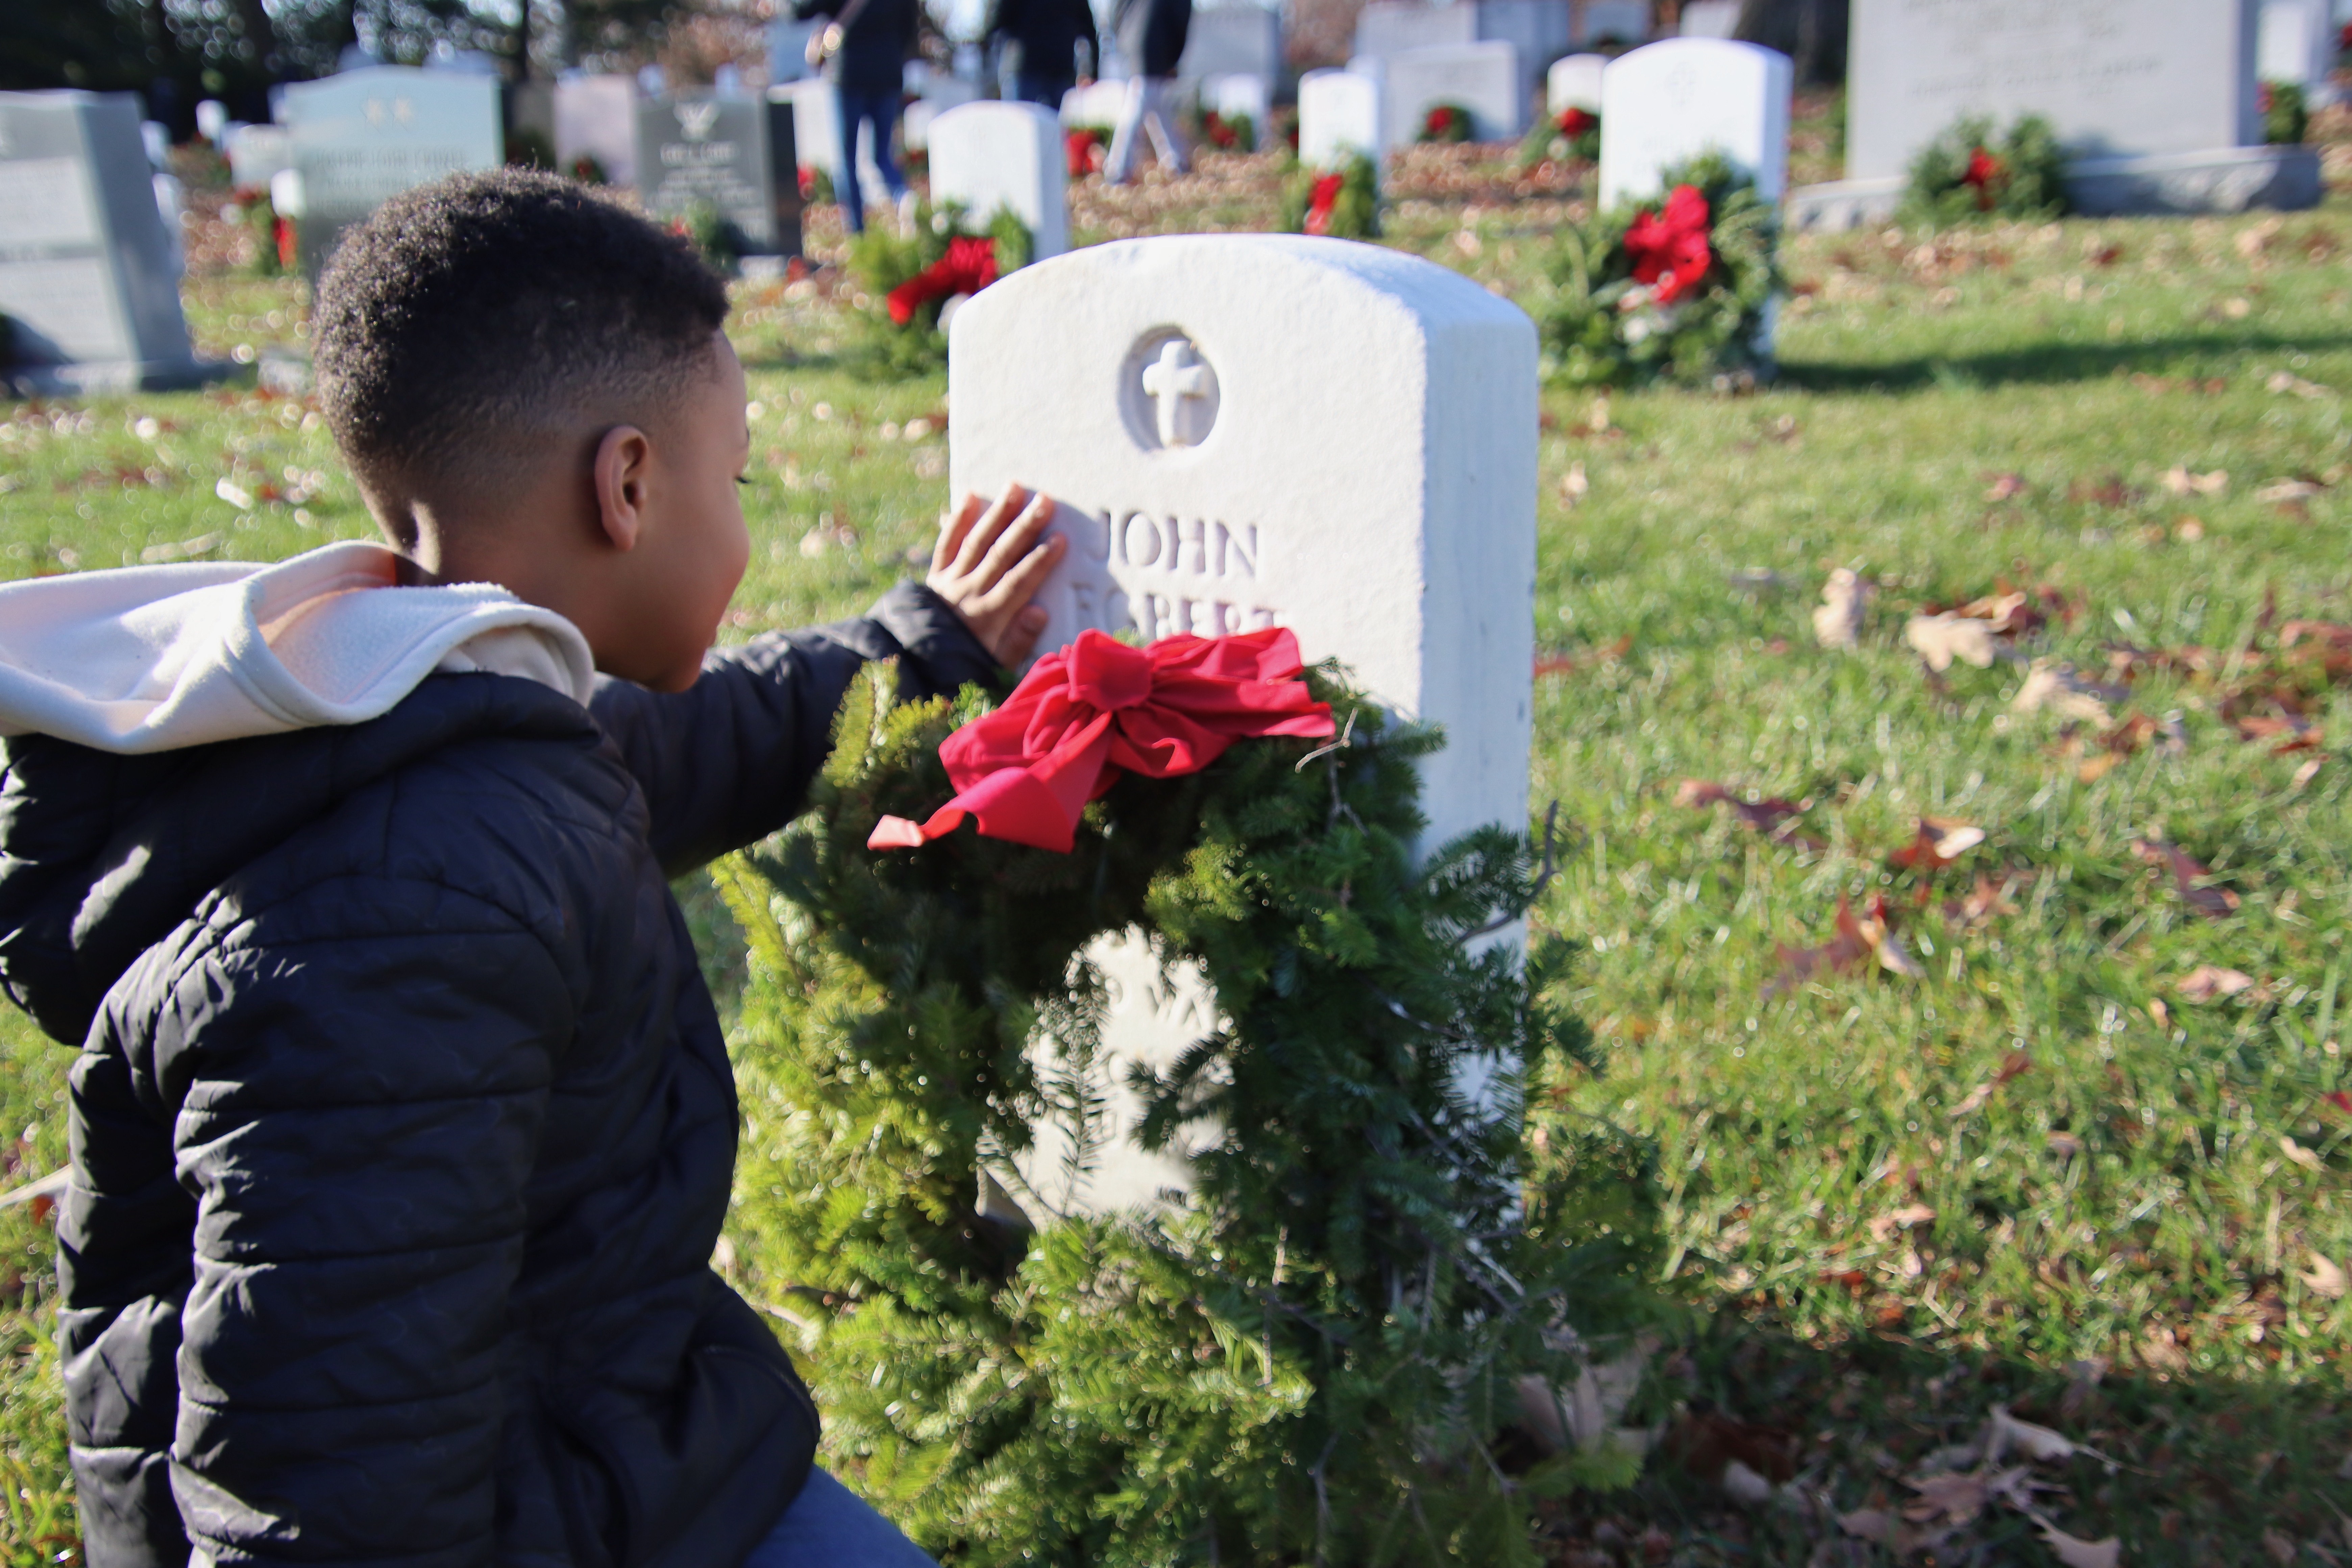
(1310, 1358)
(1969, 173)
(1342, 203)
(1599, 330)
(881, 258)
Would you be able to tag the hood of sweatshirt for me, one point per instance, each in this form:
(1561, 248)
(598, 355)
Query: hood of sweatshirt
(159, 658)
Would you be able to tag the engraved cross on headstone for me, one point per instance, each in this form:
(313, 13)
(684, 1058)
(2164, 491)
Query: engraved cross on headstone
(1168, 382)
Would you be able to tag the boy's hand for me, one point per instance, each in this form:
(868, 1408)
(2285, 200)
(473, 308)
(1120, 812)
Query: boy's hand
(989, 564)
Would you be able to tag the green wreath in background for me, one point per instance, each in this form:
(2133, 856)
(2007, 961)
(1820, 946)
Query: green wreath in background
(1308, 1360)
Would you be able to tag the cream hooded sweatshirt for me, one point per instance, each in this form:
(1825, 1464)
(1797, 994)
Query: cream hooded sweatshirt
(153, 658)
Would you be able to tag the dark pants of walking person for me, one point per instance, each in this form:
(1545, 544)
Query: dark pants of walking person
(879, 111)
(1044, 88)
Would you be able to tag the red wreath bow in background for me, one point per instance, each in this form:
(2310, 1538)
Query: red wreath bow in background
(1669, 248)
(1320, 200)
(969, 266)
(1574, 122)
(1985, 173)
(1085, 712)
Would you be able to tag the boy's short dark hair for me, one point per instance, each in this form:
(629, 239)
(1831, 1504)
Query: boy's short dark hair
(471, 321)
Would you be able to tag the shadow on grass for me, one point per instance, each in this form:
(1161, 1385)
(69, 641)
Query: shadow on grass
(2203, 1464)
(2045, 364)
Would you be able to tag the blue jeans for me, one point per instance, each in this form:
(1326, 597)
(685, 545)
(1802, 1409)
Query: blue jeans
(829, 1526)
(880, 111)
(1046, 87)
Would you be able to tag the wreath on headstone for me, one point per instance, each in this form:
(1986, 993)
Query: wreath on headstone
(1342, 203)
(1675, 286)
(1229, 132)
(1969, 173)
(1445, 122)
(1309, 1357)
(1573, 134)
(910, 279)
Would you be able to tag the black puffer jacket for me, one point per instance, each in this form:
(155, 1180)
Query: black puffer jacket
(403, 1128)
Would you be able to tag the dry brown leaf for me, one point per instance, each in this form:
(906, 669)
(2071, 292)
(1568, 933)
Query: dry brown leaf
(2208, 980)
(2287, 381)
(1882, 1227)
(1745, 1486)
(1896, 958)
(2325, 1277)
(1773, 816)
(1837, 619)
(1947, 1497)
(1573, 486)
(2308, 772)
(1877, 1526)
(2057, 689)
(2213, 903)
(2004, 486)
(2180, 482)
(2280, 1547)
(1986, 900)
(2279, 491)
(2307, 1158)
(1940, 840)
(1941, 638)
(2036, 1443)
(2074, 1552)
(1857, 938)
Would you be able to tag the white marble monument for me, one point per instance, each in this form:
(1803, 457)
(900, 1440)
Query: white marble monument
(1009, 156)
(1250, 430)
(1339, 118)
(1484, 78)
(1672, 100)
(1574, 82)
(596, 116)
(1239, 37)
(1708, 18)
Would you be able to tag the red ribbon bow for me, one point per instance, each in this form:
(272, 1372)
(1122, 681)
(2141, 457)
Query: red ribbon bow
(1670, 249)
(1084, 714)
(1320, 200)
(969, 266)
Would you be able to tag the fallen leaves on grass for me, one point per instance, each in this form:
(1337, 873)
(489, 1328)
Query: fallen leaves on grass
(1775, 818)
(1977, 1098)
(1910, 1217)
(2075, 1552)
(2301, 734)
(1940, 841)
(1856, 943)
(1981, 902)
(2188, 876)
(1562, 663)
(2180, 482)
(2279, 491)
(1941, 638)
(2295, 1153)
(2325, 1277)
(1837, 619)
(2288, 381)
(2057, 689)
(2207, 982)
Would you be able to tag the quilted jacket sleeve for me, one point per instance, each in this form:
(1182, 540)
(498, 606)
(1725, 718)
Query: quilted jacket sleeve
(358, 1113)
(727, 761)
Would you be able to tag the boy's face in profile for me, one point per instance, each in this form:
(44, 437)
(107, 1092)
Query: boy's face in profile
(691, 546)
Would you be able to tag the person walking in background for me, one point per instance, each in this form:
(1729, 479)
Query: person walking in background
(865, 52)
(1151, 33)
(1047, 33)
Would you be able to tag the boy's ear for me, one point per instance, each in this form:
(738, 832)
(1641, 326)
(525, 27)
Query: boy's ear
(624, 460)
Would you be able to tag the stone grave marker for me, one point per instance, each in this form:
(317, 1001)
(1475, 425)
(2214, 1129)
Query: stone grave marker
(733, 154)
(816, 134)
(1481, 78)
(1612, 21)
(1386, 27)
(934, 97)
(86, 271)
(1668, 101)
(1250, 430)
(992, 155)
(256, 154)
(1574, 82)
(2295, 42)
(1238, 97)
(364, 137)
(596, 116)
(1708, 18)
(1340, 117)
(1237, 39)
(1098, 105)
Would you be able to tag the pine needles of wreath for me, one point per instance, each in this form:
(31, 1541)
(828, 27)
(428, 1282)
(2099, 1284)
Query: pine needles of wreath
(1310, 1360)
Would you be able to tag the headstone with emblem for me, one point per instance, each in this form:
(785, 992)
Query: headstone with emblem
(732, 157)
(88, 282)
(1253, 430)
(364, 137)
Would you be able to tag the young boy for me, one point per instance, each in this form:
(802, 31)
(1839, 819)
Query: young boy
(403, 1128)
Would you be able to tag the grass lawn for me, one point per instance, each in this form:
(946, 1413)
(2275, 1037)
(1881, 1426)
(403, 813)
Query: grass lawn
(2049, 1128)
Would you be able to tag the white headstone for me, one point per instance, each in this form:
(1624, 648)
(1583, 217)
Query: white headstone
(1574, 82)
(2115, 81)
(1239, 37)
(937, 95)
(2296, 43)
(364, 137)
(1612, 21)
(86, 270)
(1481, 78)
(1338, 118)
(212, 119)
(1238, 97)
(1387, 27)
(156, 137)
(596, 116)
(992, 155)
(1098, 105)
(1709, 18)
(256, 154)
(1249, 430)
(816, 134)
(1669, 102)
